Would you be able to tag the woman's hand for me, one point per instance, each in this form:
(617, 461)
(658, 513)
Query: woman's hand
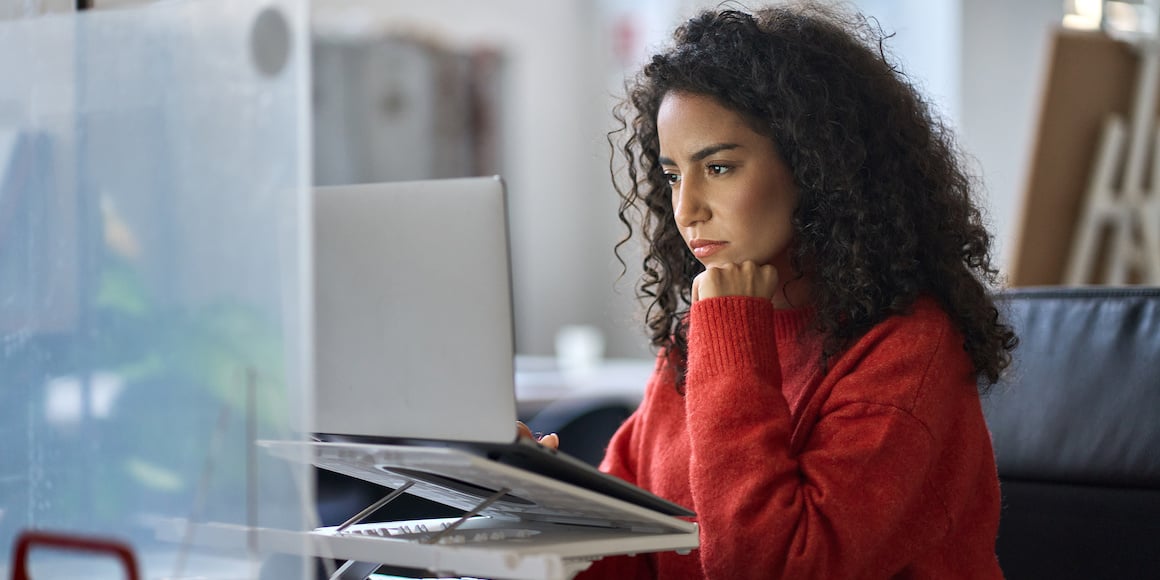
(550, 440)
(744, 279)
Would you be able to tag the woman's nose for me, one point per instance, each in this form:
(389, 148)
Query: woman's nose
(688, 204)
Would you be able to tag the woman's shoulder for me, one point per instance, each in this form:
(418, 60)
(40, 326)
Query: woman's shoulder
(924, 322)
(902, 355)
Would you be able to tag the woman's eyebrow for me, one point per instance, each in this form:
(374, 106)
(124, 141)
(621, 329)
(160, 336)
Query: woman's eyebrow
(703, 153)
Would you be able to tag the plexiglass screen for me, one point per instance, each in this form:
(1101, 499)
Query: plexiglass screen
(154, 282)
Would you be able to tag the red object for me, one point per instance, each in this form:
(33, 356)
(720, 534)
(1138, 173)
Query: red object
(69, 543)
(879, 467)
(624, 40)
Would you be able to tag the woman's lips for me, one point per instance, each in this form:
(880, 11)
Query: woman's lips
(706, 248)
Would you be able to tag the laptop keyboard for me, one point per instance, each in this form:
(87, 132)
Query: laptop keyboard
(424, 532)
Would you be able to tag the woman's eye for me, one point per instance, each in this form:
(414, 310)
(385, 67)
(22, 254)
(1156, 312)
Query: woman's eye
(716, 169)
(672, 178)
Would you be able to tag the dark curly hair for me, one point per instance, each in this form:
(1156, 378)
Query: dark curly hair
(885, 208)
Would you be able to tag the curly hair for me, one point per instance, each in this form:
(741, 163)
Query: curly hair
(885, 209)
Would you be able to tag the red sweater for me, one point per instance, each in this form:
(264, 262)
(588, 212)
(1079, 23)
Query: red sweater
(879, 468)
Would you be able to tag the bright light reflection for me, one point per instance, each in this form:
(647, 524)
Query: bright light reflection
(1083, 14)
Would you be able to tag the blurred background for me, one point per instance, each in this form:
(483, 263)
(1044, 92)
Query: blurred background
(150, 306)
(524, 88)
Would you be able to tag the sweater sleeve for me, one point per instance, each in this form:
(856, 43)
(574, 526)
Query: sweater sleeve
(620, 455)
(853, 503)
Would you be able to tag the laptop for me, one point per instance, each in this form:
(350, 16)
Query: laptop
(413, 311)
(414, 371)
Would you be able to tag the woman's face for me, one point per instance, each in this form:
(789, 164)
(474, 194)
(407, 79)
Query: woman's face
(733, 195)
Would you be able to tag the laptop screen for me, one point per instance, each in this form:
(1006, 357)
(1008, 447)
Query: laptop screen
(413, 311)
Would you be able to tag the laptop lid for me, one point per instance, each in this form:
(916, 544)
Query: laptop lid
(413, 312)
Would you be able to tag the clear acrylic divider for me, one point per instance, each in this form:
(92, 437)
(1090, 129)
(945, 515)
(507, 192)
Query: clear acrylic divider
(155, 281)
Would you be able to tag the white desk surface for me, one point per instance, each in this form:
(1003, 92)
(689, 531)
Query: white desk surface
(540, 380)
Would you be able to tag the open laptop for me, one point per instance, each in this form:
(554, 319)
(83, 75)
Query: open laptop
(414, 362)
(413, 311)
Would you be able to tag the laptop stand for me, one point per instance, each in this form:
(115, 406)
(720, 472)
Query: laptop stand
(356, 570)
(516, 524)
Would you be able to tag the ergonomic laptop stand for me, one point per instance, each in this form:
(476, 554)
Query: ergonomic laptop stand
(517, 524)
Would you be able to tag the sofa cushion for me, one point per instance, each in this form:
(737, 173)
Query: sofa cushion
(1063, 531)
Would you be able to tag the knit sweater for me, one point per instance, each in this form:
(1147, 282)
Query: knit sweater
(880, 467)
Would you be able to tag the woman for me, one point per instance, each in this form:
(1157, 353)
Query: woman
(816, 275)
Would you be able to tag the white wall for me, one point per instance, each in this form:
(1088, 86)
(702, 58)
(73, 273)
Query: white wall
(927, 42)
(1004, 62)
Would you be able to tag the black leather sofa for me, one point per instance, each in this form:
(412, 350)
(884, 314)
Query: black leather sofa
(1076, 429)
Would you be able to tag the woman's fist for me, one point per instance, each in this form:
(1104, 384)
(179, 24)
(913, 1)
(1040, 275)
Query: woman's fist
(744, 279)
